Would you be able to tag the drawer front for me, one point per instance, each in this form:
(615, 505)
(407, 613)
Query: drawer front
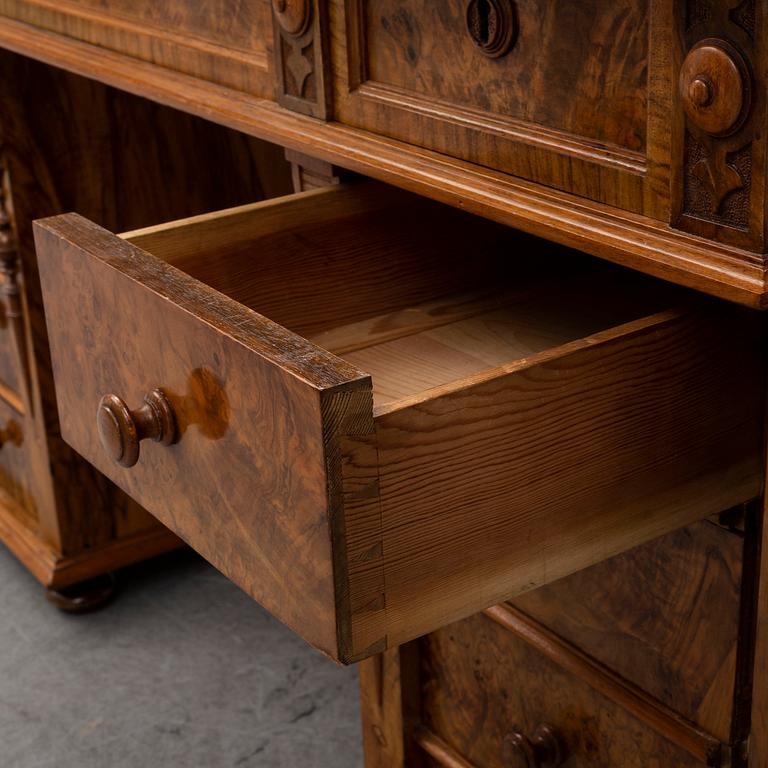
(558, 94)
(224, 41)
(481, 684)
(487, 431)
(664, 616)
(246, 482)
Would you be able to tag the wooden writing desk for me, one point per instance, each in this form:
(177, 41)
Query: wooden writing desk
(521, 484)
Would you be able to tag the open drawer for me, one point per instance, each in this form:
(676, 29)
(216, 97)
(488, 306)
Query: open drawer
(428, 414)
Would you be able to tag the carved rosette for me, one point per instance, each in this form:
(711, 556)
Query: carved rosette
(717, 94)
(301, 56)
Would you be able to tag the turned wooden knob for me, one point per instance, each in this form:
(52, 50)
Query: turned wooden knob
(121, 430)
(715, 87)
(293, 15)
(700, 92)
(541, 750)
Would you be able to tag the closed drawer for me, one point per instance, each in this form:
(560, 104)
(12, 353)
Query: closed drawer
(554, 92)
(487, 694)
(664, 616)
(223, 41)
(378, 415)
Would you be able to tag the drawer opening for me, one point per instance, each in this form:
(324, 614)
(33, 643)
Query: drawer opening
(417, 295)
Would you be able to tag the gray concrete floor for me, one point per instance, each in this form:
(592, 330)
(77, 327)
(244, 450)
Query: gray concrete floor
(181, 671)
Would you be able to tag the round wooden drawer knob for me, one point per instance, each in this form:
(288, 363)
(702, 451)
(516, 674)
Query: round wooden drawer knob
(541, 750)
(293, 15)
(715, 87)
(121, 430)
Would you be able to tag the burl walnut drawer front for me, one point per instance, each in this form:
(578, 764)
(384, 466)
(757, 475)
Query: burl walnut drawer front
(224, 41)
(554, 92)
(489, 699)
(665, 617)
(378, 415)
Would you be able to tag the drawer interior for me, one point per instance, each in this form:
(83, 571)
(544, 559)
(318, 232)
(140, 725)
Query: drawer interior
(414, 294)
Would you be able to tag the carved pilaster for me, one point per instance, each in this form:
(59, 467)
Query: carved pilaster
(718, 193)
(310, 173)
(301, 56)
(10, 290)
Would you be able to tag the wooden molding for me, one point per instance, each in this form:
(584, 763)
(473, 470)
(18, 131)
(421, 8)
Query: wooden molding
(645, 708)
(635, 241)
(442, 753)
(55, 571)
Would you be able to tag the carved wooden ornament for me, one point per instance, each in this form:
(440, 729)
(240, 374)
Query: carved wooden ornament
(721, 108)
(301, 56)
(293, 15)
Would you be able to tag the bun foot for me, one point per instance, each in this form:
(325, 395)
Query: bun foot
(84, 597)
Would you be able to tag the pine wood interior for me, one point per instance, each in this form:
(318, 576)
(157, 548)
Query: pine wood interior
(421, 297)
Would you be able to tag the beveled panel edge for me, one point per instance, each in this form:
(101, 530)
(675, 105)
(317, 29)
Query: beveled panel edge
(357, 80)
(130, 25)
(637, 702)
(441, 752)
(93, 24)
(635, 241)
(508, 128)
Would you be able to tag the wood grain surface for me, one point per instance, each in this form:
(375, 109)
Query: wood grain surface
(569, 457)
(664, 616)
(605, 433)
(257, 408)
(124, 162)
(550, 79)
(390, 703)
(479, 682)
(224, 41)
(646, 243)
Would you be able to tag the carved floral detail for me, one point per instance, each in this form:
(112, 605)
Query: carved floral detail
(717, 166)
(301, 56)
(718, 176)
(742, 13)
(300, 68)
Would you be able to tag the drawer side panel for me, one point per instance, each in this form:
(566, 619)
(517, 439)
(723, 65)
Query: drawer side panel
(510, 482)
